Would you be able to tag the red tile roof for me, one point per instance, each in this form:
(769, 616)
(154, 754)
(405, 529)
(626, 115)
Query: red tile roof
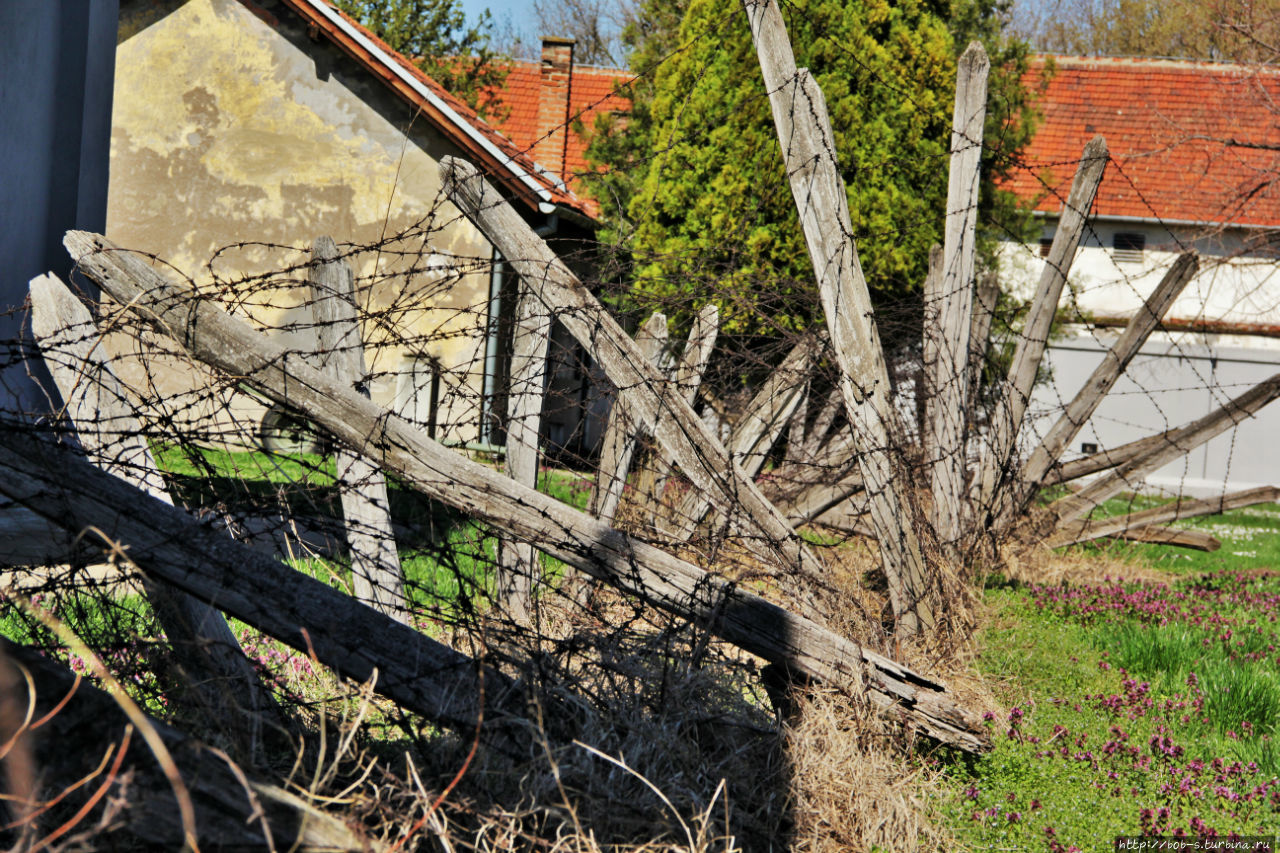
(495, 154)
(591, 92)
(1179, 134)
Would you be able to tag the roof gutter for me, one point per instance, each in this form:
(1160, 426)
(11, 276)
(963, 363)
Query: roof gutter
(545, 203)
(1151, 220)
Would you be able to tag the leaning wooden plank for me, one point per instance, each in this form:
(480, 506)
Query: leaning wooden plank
(169, 546)
(109, 432)
(822, 497)
(758, 428)
(232, 811)
(1086, 529)
(1197, 540)
(1176, 443)
(376, 576)
(946, 340)
(1104, 377)
(623, 430)
(817, 434)
(700, 455)
(1034, 339)
(27, 539)
(663, 580)
(518, 565)
(688, 378)
(797, 437)
(1103, 460)
(808, 148)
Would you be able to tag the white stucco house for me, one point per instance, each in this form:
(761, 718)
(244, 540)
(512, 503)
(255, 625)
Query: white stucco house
(1194, 163)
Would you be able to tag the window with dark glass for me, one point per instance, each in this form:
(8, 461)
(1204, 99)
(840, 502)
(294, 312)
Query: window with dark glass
(1127, 247)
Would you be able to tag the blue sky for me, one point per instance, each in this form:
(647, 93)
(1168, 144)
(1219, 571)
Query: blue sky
(518, 15)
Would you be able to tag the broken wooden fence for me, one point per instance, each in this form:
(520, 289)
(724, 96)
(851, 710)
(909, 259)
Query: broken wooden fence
(577, 539)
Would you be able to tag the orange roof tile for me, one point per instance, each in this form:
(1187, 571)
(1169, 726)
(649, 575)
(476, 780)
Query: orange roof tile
(494, 153)
(1189, 141)
(591, 92)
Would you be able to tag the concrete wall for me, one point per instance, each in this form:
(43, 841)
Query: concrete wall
(237, 139)
(1171, 382)
(56, 61)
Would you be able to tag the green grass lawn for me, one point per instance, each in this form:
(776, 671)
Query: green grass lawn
(1133, 709)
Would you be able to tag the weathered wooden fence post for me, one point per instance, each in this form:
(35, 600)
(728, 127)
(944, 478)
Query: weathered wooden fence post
(808, 147)
(111, 435)
(687, 379)
(946, 339)
(993, 473)
(622, 432)
(518, 562)
(376, 578)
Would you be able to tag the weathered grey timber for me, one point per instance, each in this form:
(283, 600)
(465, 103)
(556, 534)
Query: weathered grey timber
(1173, 444)
(518, 564)
(31, 540)
(822, 497)
(1197, 540)
(821, 428)
(758, 429)
(376, 576)
(232, 811)
(1086, 529)
(96, 403)
(946, 341)
(687, 379)
(808, 148)
(980, 329)
(1065, 472)
(664, 581)
(1035, 333)
(1104, 377)
(623, 430)
(347, 636)
(677, 428)
(797, 439)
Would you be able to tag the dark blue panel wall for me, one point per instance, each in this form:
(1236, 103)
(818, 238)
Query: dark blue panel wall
(57, 64)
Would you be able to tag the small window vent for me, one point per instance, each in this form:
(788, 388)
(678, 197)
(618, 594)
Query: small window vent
(1127, 248)
(1046, 243)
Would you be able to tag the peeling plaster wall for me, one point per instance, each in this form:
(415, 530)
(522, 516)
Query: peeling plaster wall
(233, 128)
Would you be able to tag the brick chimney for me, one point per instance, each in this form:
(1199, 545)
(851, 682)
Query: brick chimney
(553, 103)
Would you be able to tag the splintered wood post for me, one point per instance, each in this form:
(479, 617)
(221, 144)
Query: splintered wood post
(946, 341)
(518, 565)
(112, 437)
(634, 567)
(688, 378)
(1085, 530)
(758, 428)
(1035, 333)
(1175, 443)
(623, 430)
(1113, 364)
(169, 546)
(701, 456)
(376, 577)
(808, 147)
(980, 330)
